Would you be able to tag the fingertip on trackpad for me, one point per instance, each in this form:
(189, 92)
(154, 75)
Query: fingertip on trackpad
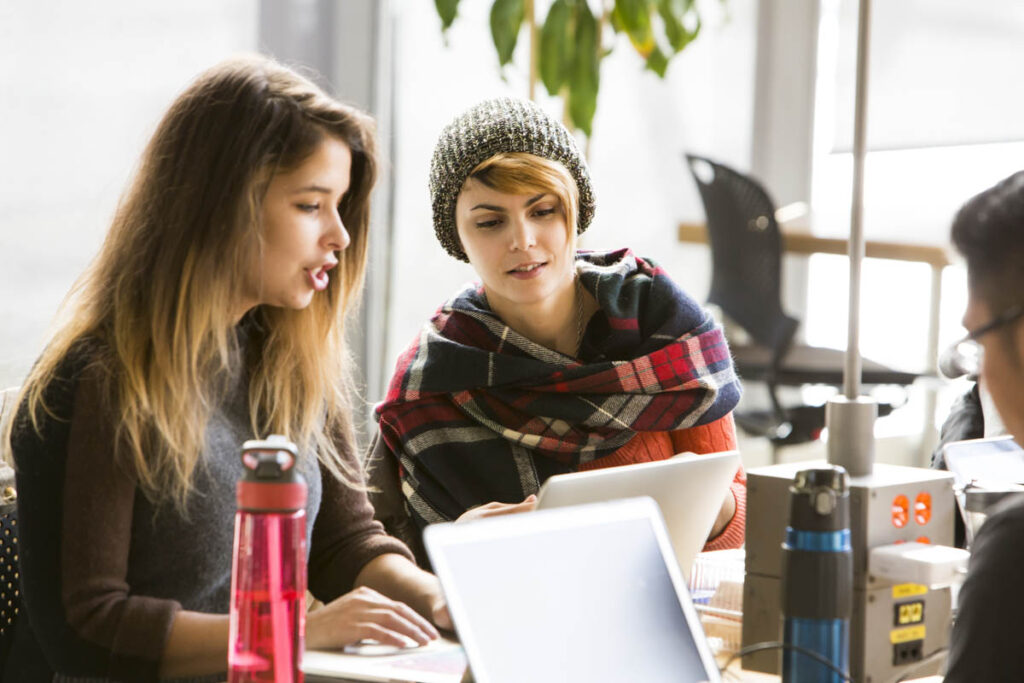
(374, 648)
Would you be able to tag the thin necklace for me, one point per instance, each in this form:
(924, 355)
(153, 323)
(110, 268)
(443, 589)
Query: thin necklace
(578, 290)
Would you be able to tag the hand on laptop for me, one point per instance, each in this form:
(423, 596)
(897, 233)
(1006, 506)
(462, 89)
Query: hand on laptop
(441, 616)
(725, 514)
(494, 509)
(365, 614)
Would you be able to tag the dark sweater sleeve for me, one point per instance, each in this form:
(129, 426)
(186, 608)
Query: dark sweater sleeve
(985, 643)
(388, 500)
(345, 536)
(98, 501)
(80, 606)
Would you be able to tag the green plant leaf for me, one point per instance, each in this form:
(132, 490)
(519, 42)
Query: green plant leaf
(615, 21)
(446, 10)
(585, 77)
(556, 47)
(696, 27)
(657, 62)
(674, 14)
(506, 18)
(634, 16)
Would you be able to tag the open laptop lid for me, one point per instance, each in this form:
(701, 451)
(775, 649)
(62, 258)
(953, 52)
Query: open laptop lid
(689, 489)
(994, 461)
(585, 593)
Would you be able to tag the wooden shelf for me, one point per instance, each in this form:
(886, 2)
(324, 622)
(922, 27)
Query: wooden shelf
(805, 243)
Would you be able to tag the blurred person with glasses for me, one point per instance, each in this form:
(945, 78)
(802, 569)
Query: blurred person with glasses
(965, 356)
(973, 415)
(989, 232)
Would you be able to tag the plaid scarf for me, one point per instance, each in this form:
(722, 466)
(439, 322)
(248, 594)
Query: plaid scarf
(476, 412)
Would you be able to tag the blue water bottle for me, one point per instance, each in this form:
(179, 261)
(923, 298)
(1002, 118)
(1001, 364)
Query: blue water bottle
(817, 571)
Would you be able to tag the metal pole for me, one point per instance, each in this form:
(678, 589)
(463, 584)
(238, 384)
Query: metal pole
(850, 417)
(852, 370)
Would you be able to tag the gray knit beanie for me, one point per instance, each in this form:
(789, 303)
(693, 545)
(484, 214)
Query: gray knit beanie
(504, 124)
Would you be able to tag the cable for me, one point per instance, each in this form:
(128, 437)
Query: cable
(776, 645)
(914, 666)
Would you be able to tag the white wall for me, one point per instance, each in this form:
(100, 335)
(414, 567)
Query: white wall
(82, 86)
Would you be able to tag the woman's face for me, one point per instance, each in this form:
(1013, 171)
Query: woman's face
(1002, 363)
(302, 229)
(518, 244)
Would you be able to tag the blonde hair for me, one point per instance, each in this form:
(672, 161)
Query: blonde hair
(161, 295)
(523, 173)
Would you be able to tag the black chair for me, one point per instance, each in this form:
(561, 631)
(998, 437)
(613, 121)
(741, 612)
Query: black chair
(10, 600)
(10, 597)
(746, 283)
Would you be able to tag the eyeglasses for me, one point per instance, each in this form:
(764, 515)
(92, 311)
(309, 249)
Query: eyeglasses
(964, 357)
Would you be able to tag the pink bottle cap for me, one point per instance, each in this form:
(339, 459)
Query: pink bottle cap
(270, 482)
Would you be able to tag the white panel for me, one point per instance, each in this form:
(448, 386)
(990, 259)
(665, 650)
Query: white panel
(83, 86)
(942, 72)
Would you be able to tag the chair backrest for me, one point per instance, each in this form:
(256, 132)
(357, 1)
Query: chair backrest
(10, 600)
(746, 253)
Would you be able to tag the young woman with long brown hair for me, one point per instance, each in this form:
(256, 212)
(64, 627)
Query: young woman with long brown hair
(214, 313)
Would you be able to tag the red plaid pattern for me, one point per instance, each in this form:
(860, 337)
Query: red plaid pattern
(476, 412)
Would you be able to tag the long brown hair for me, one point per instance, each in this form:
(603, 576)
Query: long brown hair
(160, 295)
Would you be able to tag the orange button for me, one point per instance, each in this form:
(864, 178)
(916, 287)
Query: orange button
(923, 508)
(900, 511)
(923, 539)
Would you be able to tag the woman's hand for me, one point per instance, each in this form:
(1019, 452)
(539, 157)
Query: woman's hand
(494, 509)
(366, 614)
(725, 514)
(439, 613)
(396, 576)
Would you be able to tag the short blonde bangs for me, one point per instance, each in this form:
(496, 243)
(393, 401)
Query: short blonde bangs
(522, 173)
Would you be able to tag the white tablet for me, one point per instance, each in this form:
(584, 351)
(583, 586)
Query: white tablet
(689, 489)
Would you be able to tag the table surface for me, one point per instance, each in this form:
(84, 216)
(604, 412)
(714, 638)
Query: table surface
(797, 242)
(734, 674)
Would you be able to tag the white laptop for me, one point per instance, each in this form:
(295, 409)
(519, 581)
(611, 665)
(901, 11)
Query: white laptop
(689, 489)
(442, 661)
(993, 462)
(584, 593)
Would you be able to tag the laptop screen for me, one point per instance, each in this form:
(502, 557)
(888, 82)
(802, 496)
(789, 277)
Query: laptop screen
(586, 593)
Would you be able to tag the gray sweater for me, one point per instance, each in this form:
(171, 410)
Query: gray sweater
(105, 571)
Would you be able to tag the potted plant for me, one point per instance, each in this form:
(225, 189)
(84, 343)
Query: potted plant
(566, 49)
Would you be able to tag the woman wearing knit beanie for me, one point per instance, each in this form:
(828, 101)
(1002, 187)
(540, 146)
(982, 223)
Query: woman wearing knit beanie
(558, 360)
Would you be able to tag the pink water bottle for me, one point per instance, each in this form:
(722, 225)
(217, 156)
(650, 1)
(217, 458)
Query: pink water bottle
(268, 578)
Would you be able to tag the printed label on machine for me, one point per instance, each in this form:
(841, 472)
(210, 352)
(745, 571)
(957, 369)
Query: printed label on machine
(908, 590)
(905, 635)
(906, 613)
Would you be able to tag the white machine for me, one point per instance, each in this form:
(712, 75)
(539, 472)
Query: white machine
(897, 620)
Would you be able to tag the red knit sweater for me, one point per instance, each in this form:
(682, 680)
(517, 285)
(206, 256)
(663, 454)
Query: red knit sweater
(716, 436)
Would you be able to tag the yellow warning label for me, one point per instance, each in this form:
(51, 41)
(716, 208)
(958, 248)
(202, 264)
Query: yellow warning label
(906, 590)
(910, 613)
(905, 635)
